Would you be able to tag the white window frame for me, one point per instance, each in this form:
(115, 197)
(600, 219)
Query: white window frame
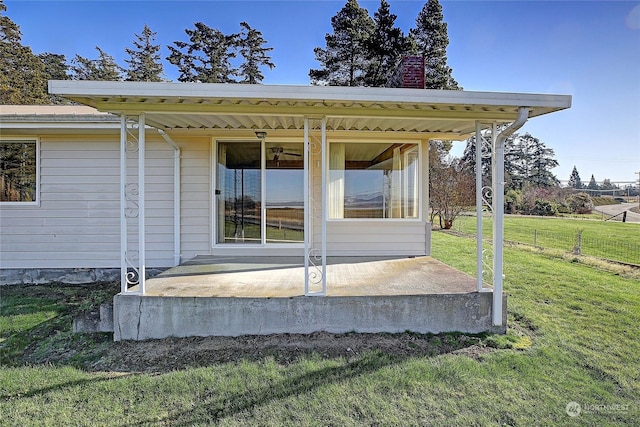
(418, 144)
(36, 140)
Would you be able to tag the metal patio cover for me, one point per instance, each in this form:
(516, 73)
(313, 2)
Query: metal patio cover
(441, 114)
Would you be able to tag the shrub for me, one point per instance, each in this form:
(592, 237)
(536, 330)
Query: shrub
(580, 203)
(545, 208)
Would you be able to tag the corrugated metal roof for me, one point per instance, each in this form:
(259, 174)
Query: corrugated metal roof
(447, 114)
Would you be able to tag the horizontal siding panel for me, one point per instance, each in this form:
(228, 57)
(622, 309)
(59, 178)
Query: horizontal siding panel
(200, 188)
(192, 179)
(107, 234)
(193, 221)
(381, 248)
(195, 237)
(76, 155)
(374, 238)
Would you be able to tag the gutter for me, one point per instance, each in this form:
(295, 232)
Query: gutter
(176, 195)
(498, 212)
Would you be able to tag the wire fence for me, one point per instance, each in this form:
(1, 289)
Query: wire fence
(582, 244)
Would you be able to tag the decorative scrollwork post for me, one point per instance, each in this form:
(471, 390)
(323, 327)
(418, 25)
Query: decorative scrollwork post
(484, 139)
(315, 208)
(132, 249)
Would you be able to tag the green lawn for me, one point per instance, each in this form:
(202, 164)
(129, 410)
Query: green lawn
(612, 240)
(573, 338)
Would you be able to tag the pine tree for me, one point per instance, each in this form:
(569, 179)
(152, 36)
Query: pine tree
(55, 68)
(206, 58)
(144, 60)
(574, 179)
(593, 185)
(386, 46)
(22, 74)
(104, 68)
(527, 161)
(345, 60)
(254, 53)
(539, 161)
(431, 41)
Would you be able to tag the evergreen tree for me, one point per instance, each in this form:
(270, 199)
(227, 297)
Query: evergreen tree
(206, 58)
(55, 65)
(431, 41)
(345, 60)
(574, 179)
(144, 59)
(593, 185)
(386, 45)
(254, 53)
(104, 68)
(607, 185)
(527, 161)
(538, 160)
(22, 74)
(55, 68)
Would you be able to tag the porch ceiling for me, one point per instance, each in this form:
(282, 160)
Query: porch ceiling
(446, 114)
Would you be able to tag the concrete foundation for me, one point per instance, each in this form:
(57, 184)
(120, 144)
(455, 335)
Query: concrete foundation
(67, 276)
(147, 317)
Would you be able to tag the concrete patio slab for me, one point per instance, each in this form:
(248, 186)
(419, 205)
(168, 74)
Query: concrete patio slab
(282, 277)
(233, 296)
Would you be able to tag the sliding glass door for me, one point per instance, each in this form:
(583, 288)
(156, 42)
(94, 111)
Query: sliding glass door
(259, 192)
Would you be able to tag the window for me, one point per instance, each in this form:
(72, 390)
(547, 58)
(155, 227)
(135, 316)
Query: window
(18, 171)
(373, 180)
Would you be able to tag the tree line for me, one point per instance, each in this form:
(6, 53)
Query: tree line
(361, 50)
(209, 56)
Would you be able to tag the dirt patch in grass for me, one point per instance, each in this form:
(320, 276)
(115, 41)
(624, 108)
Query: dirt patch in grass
(181, 353)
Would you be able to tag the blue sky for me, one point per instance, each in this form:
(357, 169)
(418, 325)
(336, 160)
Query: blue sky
(588, 49)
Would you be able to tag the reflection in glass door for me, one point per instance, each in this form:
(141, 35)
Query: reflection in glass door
(238, 192)
(284, 198)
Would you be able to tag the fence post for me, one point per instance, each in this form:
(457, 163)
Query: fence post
(578, 247)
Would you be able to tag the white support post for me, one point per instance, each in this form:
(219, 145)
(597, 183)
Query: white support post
(141, 197)
(324, 201)
(123, 203)
(497, 174)
(315, 263)
(479, 206)
(307, 220)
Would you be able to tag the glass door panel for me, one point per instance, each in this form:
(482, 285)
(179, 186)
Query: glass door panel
(284, 198)
(238, 192)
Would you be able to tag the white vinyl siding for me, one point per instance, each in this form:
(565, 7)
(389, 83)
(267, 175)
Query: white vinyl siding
(77, 222)
(196, 205)
(378, 238)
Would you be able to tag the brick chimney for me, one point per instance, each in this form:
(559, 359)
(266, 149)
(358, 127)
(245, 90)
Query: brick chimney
(408, 74)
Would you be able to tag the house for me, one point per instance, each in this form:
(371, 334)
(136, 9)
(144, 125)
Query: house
(142, 176)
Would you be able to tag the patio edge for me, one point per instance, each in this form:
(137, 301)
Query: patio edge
(138, 317)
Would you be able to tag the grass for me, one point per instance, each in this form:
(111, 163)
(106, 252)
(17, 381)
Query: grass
(573, 337)
(616, 241)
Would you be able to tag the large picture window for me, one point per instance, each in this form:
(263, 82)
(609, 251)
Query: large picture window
(373, 180)
(18, 171)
